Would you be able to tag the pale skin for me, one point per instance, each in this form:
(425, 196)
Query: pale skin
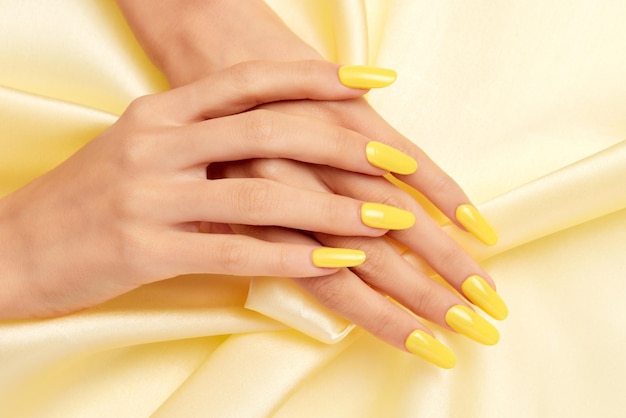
(128, 208)
(79, 258)
(188, 39)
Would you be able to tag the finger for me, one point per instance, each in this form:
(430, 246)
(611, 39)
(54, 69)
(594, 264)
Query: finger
(268, 202)
(429, 179)
(292, 173)
(345, 294)
(268, 134)
(457, 267)
(348, 296)
(191, 253)
(425, 238)
(386, 270)
(406, 282)
(248, 84)
(447, 195)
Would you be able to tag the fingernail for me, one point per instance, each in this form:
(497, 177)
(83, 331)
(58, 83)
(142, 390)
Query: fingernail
(475, 223)
(365, 77)
(478, 291)
(337, 257)
(427, 347)
(467, 322)
(388, 158)
(377, 215)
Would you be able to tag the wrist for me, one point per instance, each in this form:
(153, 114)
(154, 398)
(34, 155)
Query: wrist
(225, 33)
(187, 40)
(14, 298)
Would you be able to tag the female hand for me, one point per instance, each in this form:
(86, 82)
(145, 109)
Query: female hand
(127, 208)
(206, 48)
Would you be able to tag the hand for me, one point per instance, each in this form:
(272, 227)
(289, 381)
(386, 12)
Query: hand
(126, 209)
(356, 297)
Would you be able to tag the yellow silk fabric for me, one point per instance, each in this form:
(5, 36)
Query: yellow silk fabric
(523, 103)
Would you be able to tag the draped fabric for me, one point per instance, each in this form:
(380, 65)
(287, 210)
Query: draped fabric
(523, 103)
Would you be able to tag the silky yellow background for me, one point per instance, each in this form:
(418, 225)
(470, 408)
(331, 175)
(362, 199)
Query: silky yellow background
(524, 103)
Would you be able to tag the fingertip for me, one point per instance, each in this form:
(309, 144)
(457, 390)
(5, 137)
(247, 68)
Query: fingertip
(389, 158)
(466, 321)
(482, 294)
(337, 257)
(430, 349)
(381, 216)
(365, 76)
(475, 223)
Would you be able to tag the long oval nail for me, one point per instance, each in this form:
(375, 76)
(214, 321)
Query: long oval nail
(365, 76)
(476, 224)
(427, 347)
(467, 322)
(337, 257)
(377, 215)
(478, 291)
(388, 158)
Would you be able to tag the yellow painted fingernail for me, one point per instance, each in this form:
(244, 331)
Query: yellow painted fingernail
(377, 215)
(365, 76)
(337, 257)
(475, 223)
(427, 347)
(467, 322)
(388, 158)
(478, 291)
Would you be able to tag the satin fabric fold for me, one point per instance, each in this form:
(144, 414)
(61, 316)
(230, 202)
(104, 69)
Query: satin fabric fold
(351, 34)
(521, 103)
(557, 197)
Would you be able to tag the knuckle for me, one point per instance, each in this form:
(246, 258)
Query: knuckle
(330, 112)
(375, 266)
(134, 250)
(241, 74)
(385, 320)
(274, 169)
(284, 260)
(260, 126)
(449, 258)
(333, 211)
(141, 139)
(255, 198)
(309, 71)
(443, 185)
(129, 235)
(243, 78)
(142, 108)
(423, 299)
(328, 291)
(397, 200)
(232, 255)
(340, 143)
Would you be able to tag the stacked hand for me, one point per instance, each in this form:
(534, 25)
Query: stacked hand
(129, 208)
(294, 160)
(362, 293)
(187, 40)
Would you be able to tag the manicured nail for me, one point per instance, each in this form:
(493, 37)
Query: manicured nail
(478, 291)
(388, 158)
(467, 322)
(427, 347)
(365, 77)
(337, 257)
(475, 223)
(377, 215)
